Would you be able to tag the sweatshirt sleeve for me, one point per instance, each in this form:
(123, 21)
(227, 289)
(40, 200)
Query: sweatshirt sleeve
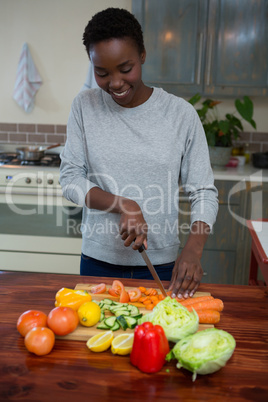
(197, 176)
(73, 169)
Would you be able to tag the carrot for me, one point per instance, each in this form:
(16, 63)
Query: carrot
(147, 302)
(155, 302)
(161, 297)
(142, 299)
(194, 300)
(154, 298)
(214, 304)
(208, 316)
(148, 292)
(149, 306)
(142, 289)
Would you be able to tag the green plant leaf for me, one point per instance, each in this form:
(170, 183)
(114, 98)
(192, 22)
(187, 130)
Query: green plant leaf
(224, 126)
(253, 123)
(194, 99)
(245, 109)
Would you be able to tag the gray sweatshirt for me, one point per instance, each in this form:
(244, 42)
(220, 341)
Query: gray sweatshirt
(142, 153)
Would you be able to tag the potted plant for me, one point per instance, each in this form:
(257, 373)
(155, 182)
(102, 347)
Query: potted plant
(221, 133)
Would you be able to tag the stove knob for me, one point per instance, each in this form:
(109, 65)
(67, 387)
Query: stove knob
(28, 180)
(39, 181)
(50, 181)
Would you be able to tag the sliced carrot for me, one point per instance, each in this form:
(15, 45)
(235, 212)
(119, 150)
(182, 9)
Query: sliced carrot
(154, 298)
(142, 289)
(209, 316)
(193, 300)
(148, 292)
(155, 302)
(161, 297)
(147, 302)
(143, 298)
(149, 306)
(214, 304)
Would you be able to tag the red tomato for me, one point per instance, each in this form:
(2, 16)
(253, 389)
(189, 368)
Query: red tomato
(118, 286)
(62, 320)
(134, 294)
(124, 297)
(112, 292)
(101, 288)
(39, 340)
(30, 319)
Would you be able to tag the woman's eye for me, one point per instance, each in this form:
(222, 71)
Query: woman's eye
(126, 71)
(101, 74)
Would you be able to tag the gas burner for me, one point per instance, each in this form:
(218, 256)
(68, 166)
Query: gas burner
(7, 157)
(49, 160)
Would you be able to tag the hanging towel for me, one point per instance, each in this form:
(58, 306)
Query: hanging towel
(28, 80)
(90, 79)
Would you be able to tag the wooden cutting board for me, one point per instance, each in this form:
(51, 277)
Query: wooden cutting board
(82, 333)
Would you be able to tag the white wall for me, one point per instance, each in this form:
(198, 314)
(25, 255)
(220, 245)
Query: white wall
(53, 30)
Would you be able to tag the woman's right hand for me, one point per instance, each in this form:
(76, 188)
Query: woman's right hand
(132, 226)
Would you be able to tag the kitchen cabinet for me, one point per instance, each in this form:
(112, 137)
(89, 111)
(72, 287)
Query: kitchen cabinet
(214, 47)
(226, 256)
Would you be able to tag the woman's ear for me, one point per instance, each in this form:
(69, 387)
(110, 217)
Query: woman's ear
(143, 57)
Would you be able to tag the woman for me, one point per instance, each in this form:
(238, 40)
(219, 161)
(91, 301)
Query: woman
(127, 147)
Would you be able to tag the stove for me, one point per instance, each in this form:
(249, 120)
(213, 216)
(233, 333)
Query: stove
(9, 158)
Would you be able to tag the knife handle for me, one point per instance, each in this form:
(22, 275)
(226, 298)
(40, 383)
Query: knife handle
(142, 248)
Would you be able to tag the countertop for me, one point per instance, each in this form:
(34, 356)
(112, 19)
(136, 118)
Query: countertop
(72, 372)
(241, 173)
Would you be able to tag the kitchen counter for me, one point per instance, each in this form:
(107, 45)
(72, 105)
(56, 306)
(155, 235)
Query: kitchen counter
(72, 372)
(246, 172)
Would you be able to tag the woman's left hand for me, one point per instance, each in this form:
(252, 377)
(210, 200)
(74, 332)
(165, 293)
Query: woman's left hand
(186, 275)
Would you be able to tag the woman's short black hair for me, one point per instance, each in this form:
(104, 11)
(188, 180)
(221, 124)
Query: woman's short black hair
(113, 23)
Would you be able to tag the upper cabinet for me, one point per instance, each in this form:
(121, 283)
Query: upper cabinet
(214, 47)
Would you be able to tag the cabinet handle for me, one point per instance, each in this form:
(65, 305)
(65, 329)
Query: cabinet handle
(209, 58)
(200, 50)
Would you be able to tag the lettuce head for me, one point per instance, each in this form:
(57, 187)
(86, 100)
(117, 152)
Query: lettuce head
(174, 318)
(204, 352)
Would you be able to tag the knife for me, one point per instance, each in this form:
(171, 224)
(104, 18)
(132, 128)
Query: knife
(152, 269)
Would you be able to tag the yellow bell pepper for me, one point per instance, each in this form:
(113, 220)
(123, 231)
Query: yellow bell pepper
(71, 298)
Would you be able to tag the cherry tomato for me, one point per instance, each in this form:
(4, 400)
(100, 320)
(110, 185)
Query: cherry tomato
(118, 286)
(30, 319)
(134, 294)
(124, 297)
(39, 340)
(62, 320)
(112, 292)
(101, 288)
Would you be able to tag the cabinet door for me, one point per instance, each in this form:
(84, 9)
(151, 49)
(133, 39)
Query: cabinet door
(237, 48)
(174, 36)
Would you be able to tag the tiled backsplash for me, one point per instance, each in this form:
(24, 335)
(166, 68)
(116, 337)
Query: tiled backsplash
(47, 134)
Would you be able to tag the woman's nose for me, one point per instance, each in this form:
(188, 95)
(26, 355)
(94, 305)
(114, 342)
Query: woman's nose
(115, 82)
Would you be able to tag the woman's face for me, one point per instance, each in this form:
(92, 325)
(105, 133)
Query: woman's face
(117, 67)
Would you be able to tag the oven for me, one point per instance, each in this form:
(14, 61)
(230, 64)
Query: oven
(39, 228)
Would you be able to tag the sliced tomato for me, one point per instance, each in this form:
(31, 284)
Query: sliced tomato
(118, 286)
(101, 288)
(134, 294)
(124, 297)
(112, 292)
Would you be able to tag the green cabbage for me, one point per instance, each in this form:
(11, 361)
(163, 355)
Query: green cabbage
(174, 318)
(204, 352)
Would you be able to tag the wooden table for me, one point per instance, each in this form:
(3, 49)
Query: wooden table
(259, 250)
(72, 373)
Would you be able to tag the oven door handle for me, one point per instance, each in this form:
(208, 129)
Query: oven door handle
(34, 193)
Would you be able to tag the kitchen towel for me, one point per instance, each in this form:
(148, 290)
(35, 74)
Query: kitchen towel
(90, 79)
(28, 80)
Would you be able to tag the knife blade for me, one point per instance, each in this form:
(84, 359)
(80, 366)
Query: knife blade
(152, 269)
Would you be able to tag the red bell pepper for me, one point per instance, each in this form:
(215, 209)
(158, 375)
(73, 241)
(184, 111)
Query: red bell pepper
(150, 348)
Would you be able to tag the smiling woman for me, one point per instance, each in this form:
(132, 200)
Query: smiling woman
(128, 145)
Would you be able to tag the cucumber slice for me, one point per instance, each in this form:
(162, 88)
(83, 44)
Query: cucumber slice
(106, 307)
(107, 301)
(102, 316)
(137, 317)
(110, 321)
(133, 310)
(114, 309)
(117, 313)
(115, 327)
(102, 325)
(122, 321)
(131, 322)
